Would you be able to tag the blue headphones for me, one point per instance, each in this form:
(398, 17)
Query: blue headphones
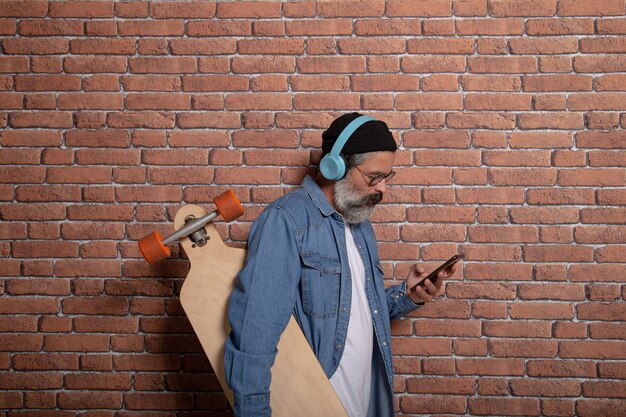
(333, 165)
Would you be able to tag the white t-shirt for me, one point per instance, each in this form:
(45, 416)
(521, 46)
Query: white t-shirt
(353, 379)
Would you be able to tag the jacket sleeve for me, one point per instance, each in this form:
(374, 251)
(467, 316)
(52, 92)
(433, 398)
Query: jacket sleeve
(398, 301)
(259, 309)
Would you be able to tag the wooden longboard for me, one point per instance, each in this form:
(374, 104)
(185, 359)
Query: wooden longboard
(299, 386)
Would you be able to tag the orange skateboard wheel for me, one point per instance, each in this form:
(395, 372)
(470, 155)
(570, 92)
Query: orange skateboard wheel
(152, 247)
(228, 205)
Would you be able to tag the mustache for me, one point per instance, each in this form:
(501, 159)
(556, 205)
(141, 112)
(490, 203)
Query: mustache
(369, 200)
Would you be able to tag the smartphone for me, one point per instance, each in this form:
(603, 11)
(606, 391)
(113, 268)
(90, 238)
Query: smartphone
(447, 264)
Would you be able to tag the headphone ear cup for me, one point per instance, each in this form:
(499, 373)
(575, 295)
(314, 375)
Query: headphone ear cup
(333, 167)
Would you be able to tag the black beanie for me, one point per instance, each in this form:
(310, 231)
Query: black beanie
(372, 136)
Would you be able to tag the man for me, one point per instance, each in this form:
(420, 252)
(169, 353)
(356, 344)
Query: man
(312, 253)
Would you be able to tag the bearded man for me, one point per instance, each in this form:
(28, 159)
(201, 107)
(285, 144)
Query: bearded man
(312, 254)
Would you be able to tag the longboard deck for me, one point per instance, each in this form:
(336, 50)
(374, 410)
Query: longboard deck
(299, 385)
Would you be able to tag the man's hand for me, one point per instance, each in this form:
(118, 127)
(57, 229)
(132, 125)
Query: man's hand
(428, 290)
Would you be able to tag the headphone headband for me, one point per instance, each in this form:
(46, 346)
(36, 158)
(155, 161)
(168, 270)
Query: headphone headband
(333, 166)
(347, 132)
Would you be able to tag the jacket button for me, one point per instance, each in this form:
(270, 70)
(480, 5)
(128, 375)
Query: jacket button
(375, 311)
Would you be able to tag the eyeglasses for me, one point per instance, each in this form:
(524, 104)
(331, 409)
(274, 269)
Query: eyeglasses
(375, 179)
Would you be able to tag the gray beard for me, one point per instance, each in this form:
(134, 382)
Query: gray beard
(354, 207)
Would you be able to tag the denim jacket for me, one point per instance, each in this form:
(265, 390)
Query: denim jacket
(297, 264)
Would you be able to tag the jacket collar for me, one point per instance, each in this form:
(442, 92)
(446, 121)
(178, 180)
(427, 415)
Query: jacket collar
(318, 197)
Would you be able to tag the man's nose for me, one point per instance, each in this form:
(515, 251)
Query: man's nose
(381, 187)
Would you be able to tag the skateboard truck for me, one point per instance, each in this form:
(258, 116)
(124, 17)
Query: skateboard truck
(154, 247)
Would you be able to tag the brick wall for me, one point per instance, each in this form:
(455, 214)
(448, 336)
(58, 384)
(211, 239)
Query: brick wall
(510, 116)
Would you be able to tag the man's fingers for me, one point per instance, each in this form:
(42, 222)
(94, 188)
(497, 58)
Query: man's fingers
(422, 294)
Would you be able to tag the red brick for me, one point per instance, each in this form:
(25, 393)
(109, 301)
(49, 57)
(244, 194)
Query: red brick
(551, 120)
(317, 65)
(13, 64)
(91, 101)
(148, 120)
(210, 101)
(605, 140)
(430, 8)
(219, 28)
(433, 64)
(507, 195)
(600, 63)
(212, 120)
(184, 175)
(89, 400)
(131, 9)
(98, 138)
(11, 101)
(31, 381)
(40, 399)
(28, 46)
(371, 45)
(385, 82)
(172, 9)
(490, 27)
(163, 65)
(267, 47)
(547, 46)
(510, 65)
(544, 215)
(583, 8)
(249, 9)
(94, 64)
(215, 83)
(551, 140)
(103, 82)
(592, 177)
(268, 28)
(45, 361)
(175, 157)
(33, 286)
(502, 367)
(299, 9)
(510, 348)
(480, 120)
(527, 8)
(557, 83)
(597, 101)
(29, 305)
(101, 27)
(259, 101)
(561, 26)
(441, 46)
(592, 349)
(151, 27)
(87, 268)
(24, 8)
(164, 193)
(439, 27)
(429, 101)
(158, 101)
(110, 325)
(607, 408)
(92, 231)
(146, 362)
(100, 212)
(615, 26)
(498, 271)
(79, 175)
(370, 27)
(76, 343)
(98, 381)
(600, 311)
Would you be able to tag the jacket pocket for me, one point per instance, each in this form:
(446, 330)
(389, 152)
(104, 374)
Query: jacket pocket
(321, 276)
